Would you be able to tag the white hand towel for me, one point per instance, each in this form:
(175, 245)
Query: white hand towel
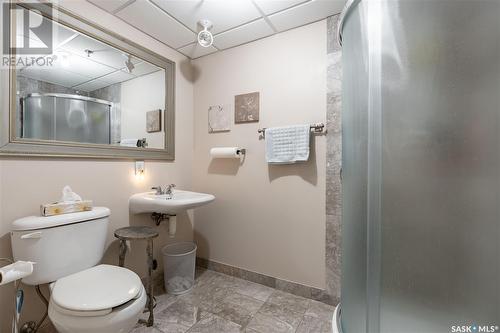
(129, 142)
(287, 145)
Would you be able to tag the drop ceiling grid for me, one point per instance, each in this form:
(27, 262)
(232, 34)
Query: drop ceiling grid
(237, 28)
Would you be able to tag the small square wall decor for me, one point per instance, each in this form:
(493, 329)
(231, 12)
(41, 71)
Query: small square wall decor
(219, 118)
(246, 108)
(153, 121)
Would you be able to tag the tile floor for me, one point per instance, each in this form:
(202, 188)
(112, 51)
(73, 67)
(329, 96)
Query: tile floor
(223, 304)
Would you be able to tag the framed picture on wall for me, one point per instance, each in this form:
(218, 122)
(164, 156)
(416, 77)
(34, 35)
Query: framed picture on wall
(246, 108)
(219, 118)
(153, 121)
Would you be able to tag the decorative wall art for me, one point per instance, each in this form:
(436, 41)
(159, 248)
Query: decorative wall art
(219, 118)
(246, 108)
(153, 121)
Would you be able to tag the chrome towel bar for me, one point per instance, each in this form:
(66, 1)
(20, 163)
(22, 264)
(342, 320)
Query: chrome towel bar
(317, 128)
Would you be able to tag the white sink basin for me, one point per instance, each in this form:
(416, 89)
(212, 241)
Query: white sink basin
(149, 202)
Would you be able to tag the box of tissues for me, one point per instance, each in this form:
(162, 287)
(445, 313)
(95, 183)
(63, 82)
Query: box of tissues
(70, 202)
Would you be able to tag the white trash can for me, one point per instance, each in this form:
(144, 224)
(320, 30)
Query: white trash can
(179, 260)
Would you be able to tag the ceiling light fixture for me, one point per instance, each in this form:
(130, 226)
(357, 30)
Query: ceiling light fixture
(205, 37)
(88, 52)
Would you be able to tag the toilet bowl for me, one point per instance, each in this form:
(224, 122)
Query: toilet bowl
(101, 299)
(84, 296)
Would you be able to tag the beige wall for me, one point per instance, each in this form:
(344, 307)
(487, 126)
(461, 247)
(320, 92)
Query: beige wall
(26, 183)
(268, 219)
(139, 96)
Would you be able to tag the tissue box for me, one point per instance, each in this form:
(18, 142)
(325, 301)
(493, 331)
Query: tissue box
(65, 207)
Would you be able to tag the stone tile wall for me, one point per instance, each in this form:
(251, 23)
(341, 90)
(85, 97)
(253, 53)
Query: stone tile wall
(333, 161)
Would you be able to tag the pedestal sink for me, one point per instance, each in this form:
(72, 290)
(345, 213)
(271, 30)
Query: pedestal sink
(149, 202)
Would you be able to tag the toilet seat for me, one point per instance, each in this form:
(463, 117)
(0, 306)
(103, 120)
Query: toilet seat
(96, 291)
(121, 319)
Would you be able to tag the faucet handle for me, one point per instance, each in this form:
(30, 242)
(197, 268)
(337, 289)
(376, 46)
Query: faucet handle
(158, 189)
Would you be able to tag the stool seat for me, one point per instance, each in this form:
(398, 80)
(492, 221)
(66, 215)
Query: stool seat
(133, 233)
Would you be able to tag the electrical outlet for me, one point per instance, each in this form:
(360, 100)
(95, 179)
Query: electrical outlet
(140, 168)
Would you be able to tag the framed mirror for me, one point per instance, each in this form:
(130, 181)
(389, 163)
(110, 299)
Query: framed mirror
(79, 90)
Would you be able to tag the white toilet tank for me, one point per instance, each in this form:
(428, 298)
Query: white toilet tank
(60, 245)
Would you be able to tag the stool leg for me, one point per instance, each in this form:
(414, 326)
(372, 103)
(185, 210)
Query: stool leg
(150, 282)
(123, 251)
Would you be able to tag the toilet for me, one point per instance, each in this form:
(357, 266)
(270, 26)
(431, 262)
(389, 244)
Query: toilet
(85, 296)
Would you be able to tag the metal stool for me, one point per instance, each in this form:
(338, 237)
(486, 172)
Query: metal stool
(140, 233)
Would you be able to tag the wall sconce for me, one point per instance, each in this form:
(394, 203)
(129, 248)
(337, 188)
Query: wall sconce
(140, 169)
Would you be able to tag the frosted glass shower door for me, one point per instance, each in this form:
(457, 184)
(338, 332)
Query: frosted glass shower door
(441, 165)
(64, 117)
(421, 166)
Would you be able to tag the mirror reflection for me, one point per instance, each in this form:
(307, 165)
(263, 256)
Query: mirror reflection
(90, 93)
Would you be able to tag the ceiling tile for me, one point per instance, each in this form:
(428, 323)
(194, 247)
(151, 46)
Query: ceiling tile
(109, 5)
(308, 12)
(118, 76)
(103, 53)
(58, 34)
(92, 85)
(194, 50)
(144, 68)
(243, 34)
(84, 66)
(153, 21)
(223, 14)
(29, 42)
(54, 75)
(273, 6)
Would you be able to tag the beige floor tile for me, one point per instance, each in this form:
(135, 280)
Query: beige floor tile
(265, 324)
(282, 313)
(320, 310)
(314, 325)
(238, 308)
(180, 312)
(215, 324)
(291, 302)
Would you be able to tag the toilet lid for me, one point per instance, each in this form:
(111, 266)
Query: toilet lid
(97, 288)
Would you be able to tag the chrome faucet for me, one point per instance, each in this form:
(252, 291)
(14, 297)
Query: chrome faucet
(167, 191)
(158, 189)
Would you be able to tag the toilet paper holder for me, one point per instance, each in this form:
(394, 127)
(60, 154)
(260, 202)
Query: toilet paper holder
(227, 152)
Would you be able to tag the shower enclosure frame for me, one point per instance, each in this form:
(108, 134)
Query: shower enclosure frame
(373, 184)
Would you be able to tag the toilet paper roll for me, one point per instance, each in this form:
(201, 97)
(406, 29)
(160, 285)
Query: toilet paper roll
(225, 152)
(15, 271)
